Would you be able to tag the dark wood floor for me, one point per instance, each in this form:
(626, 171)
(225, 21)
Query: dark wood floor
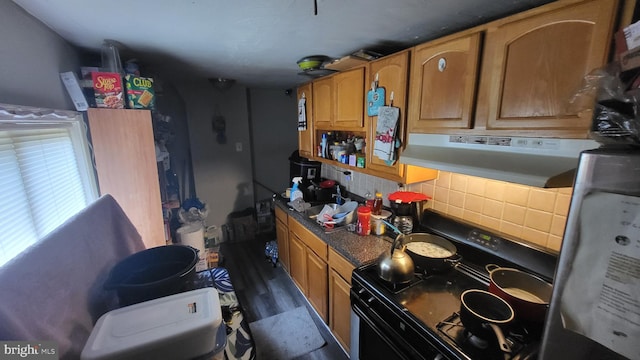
(264, 290)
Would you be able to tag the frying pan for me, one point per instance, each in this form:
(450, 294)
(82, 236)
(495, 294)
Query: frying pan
(485, 314)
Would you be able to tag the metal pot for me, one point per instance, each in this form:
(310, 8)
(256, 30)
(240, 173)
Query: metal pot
(396, 266)
(432, 261)
(528, 294)
(485, 314)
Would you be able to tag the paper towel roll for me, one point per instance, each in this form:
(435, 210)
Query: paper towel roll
(192, 235)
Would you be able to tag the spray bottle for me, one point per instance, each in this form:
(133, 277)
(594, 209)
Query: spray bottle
(295, 192)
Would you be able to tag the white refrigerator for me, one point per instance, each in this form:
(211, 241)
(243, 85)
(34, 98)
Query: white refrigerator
(595, 307)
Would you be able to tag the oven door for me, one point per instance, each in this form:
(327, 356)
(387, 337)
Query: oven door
(383, 335)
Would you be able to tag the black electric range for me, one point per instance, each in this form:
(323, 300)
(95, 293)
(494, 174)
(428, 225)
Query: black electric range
(420, 319)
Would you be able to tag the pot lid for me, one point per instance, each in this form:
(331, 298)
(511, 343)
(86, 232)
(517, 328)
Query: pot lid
(407, 197)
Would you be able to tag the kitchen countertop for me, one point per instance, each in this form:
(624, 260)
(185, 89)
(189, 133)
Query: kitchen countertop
(355, 248)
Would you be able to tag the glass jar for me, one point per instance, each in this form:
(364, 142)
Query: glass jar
(364, 221)
(404, 223)
(377, 204)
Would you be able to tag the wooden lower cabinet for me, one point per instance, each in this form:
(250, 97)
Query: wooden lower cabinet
(297, 262)
(324, 277)
(339, 301)
(317, 277)
(308, 266)
(282, 236)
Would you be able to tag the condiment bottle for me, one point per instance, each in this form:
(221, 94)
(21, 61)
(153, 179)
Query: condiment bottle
(364, 221)
(377, 204)
(369, 200)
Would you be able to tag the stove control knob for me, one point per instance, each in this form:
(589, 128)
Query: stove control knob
(370, 300)
(439, 357)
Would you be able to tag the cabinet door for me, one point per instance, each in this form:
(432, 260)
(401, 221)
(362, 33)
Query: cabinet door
(317, 277)
(297, 262)
(443, 83)
(392, 73)
(126, 166)
(340, 309)
(282, 234)
(305, 137)
(348, 95)
(322, 90)
(534, 66)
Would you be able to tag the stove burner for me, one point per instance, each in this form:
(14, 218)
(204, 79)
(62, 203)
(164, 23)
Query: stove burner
(397, 288)
(478, 347)
(476, 341)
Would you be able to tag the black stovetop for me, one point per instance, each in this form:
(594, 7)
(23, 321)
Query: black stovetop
(431, 301)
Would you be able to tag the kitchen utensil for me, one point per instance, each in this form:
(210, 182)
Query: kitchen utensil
(431, 252)
(529, 295)
(408, 207)
(327, 184)
(396, 266)
(484, 314)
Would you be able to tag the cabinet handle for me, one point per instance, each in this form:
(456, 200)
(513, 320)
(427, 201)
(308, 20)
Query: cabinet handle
(442, 64)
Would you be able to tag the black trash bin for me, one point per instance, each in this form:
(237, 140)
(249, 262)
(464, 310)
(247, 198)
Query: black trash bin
(153, 273)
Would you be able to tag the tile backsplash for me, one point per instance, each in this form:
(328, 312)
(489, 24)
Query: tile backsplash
(530, 213)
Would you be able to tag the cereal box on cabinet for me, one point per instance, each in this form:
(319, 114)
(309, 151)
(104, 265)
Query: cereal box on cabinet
(108, 90)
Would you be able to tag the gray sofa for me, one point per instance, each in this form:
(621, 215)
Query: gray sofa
(53, 290)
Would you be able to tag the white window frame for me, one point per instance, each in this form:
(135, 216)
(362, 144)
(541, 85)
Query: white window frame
(14, 117)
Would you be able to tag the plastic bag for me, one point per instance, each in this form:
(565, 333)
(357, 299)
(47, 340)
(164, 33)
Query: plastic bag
(615, 112)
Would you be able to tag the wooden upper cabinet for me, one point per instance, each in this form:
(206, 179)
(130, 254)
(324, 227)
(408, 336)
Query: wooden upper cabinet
(338, 101)
(392, 72)
(349, 98)
(534, 66)
(443, 84)
(393, 76)
(323, 102)
(305, 137)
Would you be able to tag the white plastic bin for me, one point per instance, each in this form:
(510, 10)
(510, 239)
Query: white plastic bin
(181, 326)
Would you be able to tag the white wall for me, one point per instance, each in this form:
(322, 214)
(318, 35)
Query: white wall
(31, 59)
(274, 125)
(223, 177)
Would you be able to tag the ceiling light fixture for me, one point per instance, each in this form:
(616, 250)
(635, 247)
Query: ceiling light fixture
(222, 83)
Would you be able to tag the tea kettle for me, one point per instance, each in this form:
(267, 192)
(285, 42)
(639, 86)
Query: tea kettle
(396, 266)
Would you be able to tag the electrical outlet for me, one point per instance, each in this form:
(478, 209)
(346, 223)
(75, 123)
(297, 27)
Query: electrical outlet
(238, 146)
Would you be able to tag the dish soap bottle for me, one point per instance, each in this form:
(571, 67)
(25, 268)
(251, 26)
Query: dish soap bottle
(295, 192)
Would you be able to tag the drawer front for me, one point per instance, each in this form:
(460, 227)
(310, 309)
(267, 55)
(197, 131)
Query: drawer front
(308, 238)
(281, 215)
(341, 265)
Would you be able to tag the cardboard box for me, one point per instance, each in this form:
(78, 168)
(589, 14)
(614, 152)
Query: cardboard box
(108, 90)
(140, 94)
(345, 63)
(72, 85)
(630, 59)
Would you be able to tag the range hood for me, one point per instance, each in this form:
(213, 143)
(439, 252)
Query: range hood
(541, 162)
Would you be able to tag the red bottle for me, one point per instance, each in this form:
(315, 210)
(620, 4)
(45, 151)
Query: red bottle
(364, 221)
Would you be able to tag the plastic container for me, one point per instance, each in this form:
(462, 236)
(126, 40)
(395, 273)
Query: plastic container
(364, 221)
(181, 326)
(153, 273)
(192, 234)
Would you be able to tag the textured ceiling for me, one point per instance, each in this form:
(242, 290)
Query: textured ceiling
(257, 43)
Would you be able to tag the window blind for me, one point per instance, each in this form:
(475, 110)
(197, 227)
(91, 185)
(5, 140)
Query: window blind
(41, 185)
